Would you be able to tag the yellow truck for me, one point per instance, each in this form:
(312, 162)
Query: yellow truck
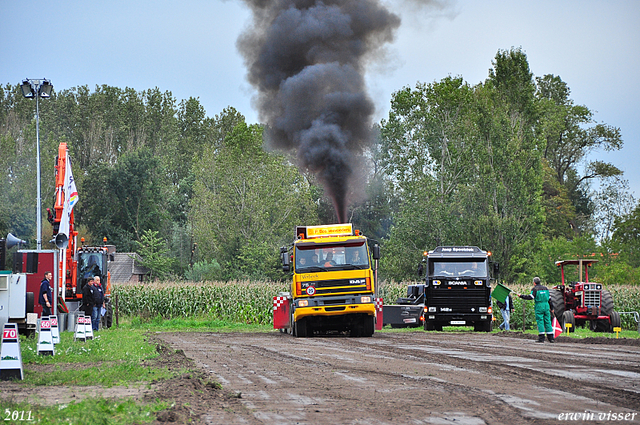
(333, 289)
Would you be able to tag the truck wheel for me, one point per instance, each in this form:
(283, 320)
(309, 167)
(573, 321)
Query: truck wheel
(300, 328)
(567, 317)
(369, 326)
(429, 326)
(482, 326)
(557, 300)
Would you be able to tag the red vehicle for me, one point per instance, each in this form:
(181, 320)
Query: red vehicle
(78, 264)
(579, 302)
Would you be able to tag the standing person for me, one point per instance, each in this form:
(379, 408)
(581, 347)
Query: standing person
(87, 298)
(45, 299)
(543, 308)
(506, 308)
(98, 303)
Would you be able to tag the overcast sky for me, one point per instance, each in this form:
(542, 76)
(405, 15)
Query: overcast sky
(189, 49)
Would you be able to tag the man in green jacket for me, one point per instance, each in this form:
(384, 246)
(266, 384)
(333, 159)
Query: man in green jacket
(543, 308)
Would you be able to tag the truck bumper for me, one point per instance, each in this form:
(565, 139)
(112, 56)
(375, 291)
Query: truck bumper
(458, 319)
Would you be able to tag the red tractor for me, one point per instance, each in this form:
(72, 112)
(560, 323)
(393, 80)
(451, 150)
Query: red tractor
(580, 301)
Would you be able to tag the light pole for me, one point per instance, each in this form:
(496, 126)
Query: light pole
(37, 88)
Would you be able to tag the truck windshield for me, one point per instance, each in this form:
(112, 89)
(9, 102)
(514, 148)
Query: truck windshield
(458, 268)
(322, 257)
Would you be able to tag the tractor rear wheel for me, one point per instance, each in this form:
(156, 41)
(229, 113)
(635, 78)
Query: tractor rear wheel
(567, 317)
(607, 303)
(557, 300)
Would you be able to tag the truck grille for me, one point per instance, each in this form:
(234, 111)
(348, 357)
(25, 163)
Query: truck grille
(458, 299)
(592, 298)
(343, 286)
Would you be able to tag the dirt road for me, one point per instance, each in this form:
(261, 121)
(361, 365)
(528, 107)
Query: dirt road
(416, 377)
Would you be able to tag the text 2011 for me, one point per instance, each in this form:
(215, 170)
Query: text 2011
(17, 415)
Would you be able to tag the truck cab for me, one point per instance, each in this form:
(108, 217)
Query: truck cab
(457, 288)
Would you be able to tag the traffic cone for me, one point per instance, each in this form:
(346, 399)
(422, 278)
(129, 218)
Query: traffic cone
(79, 334)
(55, 334)
(10, 355)
(88, 330)
(45, 340)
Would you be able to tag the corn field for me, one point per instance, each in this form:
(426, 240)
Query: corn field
(252, 302)
(241, 302)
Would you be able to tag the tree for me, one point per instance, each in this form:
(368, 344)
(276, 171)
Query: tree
(124, 200)
(466, 166)
(246, 204)
(571, 135)
(153, 251)
(427, 146)
(626, 236)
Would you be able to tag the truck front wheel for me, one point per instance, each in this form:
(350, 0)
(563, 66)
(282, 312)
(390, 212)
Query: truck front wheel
(369, 326)
(300, 328)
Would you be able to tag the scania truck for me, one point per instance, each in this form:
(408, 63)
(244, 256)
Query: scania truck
(334, 283)
(457, 288)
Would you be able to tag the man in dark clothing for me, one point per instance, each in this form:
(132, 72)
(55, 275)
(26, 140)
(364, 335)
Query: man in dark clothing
(45, 299)
(98, 303)
(87, 298)
(543, 309)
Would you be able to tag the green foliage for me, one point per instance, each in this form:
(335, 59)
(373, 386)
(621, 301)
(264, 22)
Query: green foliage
(90, 411)
(626, 237)
(247, 203)
(466, 167)
(114, 357)
(571, 134)
(503, 164)
(234, 301)
(153, 250)
(204, 270)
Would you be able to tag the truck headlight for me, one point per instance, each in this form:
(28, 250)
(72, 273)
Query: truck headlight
(436, 282)
(477, 282)
(482, 309)
(365, 300)
(303, 303)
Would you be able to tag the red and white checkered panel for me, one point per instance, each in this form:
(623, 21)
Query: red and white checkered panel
(379, 304)
(278, 301)
(281, 312)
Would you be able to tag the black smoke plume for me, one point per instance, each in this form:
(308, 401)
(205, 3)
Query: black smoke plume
(307, 60)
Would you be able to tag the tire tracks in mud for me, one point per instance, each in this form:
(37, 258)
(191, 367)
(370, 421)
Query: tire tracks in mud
(579, 388)
(473, 378)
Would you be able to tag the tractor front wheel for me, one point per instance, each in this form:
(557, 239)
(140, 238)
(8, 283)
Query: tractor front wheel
(615, 320)
(567, 317)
